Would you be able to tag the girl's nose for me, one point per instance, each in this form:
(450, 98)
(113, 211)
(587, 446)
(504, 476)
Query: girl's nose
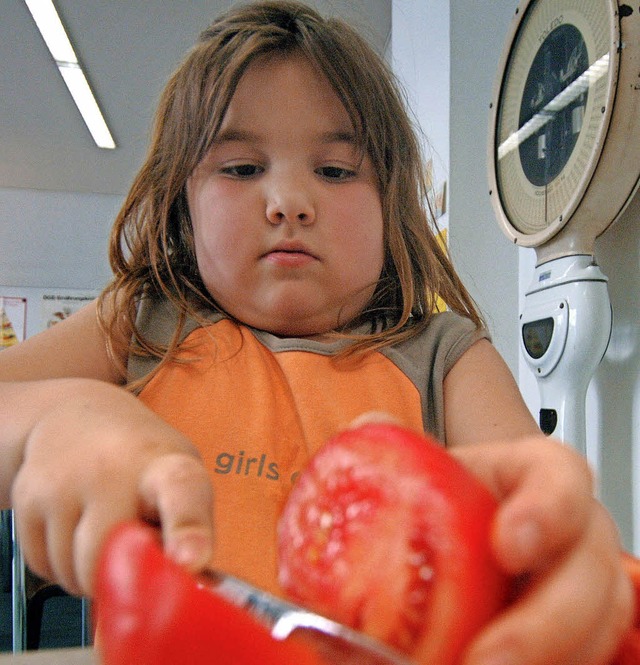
(290, 202)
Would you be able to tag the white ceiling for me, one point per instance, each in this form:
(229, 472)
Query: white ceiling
(128, 49)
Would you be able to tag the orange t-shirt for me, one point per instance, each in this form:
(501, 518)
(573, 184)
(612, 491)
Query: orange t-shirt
(257, 407)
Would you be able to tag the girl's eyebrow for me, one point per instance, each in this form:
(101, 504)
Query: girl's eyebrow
(245, 136)
(237, 136)
(338, 137)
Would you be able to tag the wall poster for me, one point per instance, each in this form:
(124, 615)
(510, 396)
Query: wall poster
(26, 311)
(56, 307)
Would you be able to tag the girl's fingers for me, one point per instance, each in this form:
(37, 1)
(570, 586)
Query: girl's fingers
(176, 491)
(63, 535)
(608, 643)
(30, 523)
(94, 459)
(60, 531)
(89, 535)
(33, 543)
(545, 494)
(574, 601)
(573, 612)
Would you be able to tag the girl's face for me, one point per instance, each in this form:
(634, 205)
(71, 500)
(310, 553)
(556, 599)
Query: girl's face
(286, 214)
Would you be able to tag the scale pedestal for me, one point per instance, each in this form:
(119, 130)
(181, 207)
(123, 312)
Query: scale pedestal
(565, 329)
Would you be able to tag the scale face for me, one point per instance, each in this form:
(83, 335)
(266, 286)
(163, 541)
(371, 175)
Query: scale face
(554, 122)
(552, 111)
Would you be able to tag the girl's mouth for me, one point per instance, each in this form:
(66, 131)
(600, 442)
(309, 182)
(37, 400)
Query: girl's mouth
(290, 254)
(289, 258)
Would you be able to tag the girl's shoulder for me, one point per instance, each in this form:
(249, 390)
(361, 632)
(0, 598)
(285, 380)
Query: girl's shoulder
(446, 336)
(427, 358)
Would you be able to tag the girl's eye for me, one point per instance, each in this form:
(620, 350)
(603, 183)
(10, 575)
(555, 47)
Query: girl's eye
(335, 173)
(242, 170)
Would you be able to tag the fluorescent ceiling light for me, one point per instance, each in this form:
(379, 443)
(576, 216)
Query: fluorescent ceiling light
(57, 41)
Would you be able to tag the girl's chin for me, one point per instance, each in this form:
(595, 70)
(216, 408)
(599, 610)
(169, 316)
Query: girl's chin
(295, 324)
(296, 317)
(308, 331)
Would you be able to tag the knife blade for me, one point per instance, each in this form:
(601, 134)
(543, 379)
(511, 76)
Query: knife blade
(334, 641)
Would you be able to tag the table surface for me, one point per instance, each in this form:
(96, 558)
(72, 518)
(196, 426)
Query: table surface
(51, 657)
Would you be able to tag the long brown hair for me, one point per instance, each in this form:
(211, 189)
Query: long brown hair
(152, 247)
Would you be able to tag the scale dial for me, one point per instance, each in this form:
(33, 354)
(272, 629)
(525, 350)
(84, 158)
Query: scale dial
(553, 114)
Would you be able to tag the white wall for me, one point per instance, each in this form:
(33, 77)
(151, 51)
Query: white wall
(486, 261)
(55, 239)
(496, 272)
(447, 56)
(420, 59)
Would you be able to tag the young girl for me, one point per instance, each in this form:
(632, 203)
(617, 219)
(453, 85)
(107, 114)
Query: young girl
(275, 278)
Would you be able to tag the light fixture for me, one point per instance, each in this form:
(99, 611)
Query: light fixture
(46, 17)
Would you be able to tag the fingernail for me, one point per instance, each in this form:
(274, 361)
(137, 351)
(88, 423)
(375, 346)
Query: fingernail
(190, 551)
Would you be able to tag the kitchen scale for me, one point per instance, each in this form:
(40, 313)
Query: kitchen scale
(564, 163)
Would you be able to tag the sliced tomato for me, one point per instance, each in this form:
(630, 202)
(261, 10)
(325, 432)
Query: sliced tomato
(388, 533)
(152, 612)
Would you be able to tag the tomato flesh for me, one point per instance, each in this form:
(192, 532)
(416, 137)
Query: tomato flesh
(387, 533)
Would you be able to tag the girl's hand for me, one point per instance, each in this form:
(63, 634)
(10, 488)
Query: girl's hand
(575, 602)
(94, 456)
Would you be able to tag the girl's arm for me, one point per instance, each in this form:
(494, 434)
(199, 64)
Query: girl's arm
(575, 602)
(482, 401)
(75, 347)
(78, 454)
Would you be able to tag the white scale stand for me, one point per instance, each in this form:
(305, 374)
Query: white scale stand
(564, 163)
